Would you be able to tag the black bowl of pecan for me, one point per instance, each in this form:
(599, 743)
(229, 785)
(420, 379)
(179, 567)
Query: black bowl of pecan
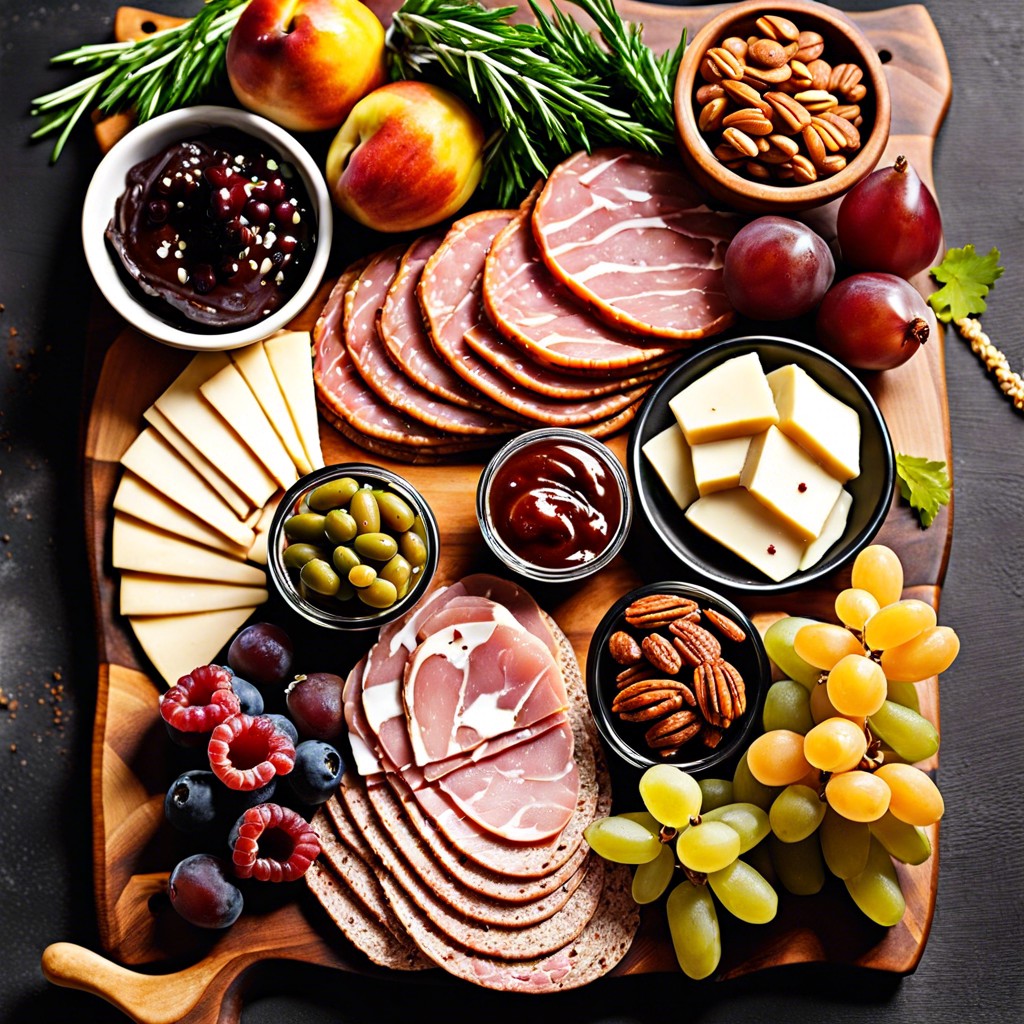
(676, 674)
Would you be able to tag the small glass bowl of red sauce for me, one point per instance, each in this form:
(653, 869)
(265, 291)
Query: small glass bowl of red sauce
(554, 505)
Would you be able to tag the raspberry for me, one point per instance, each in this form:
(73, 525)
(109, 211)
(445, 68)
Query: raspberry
(198, 703)
(273, 844)
(246, 752)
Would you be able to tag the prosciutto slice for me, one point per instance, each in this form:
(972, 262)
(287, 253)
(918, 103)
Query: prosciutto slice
(630, 235)
(468, 683)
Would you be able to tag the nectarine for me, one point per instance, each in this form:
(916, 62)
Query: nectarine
(408, 156)
(305, 63)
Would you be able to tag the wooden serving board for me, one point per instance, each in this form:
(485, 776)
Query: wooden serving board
(201, 978)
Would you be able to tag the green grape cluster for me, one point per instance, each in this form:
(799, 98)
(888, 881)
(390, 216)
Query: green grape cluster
(700, 831)
(836, 768)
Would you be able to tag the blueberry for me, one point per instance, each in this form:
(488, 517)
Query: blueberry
(235, 801)
(251, 698)
(317, 772)
(191, 801)
(285, 725)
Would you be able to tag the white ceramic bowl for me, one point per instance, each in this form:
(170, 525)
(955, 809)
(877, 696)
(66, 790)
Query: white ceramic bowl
(108, 182)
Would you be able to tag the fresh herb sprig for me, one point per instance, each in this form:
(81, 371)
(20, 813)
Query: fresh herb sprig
(924, 484)
(168, 69)
(549, 89)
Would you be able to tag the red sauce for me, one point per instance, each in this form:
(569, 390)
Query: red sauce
(555, 504)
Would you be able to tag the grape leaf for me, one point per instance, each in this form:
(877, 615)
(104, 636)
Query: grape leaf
(966, 278)
(924, 484)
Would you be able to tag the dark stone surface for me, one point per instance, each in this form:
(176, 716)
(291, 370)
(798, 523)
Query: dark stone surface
(972, 966)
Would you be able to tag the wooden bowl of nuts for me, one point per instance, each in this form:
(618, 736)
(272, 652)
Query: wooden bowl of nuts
(780, 107)
(676, 674)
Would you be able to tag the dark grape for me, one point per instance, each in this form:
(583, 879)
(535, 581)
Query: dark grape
(889, 223)
(316, 706)
(776, 268)
(872, 321)
(262, 653)
(202, 892)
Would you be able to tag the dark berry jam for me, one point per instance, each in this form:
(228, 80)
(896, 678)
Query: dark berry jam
(216, 232)
(555, 504)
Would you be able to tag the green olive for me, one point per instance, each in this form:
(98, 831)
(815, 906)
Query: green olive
(339, 526)
(398, 571)
(345, 559)
(297, 555)
(395, 512)
(413, 547)
(346, 592)
(378, 547)
(379, 594)
(419, 528)
(333, 494)
(318, 576)
(306, 526)
(363, 507)
(362, 576)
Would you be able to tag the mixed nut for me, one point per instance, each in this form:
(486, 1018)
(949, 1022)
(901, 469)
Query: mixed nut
(649, 687)
(774, 110)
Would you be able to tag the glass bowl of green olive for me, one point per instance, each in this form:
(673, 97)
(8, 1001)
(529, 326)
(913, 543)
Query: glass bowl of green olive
(352, 546)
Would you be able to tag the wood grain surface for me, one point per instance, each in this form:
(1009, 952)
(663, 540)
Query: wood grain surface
(132, 849)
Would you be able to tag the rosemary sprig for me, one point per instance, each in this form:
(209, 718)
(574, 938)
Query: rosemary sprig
(548, 89)
(164, 71)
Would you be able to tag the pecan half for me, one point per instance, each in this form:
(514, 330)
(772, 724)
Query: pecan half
(661, 654)
(710, 736)
(624, 649)
(656, 610)
(650, 699)
(729, 629)
(674, 731)
(721, 692)
(633, 674)
(694, 643)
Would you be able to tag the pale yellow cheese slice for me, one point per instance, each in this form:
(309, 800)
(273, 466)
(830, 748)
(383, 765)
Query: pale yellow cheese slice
(200, 424)
(136, 498)
(233, 400)
(825, 427)
(254, 365)
(741, 523)
(176, 644)
(784, 478)
(258, 551)
(152, 459)
(730, 400)
(833, 529)
(717, 464)
(149, 594)
(669, 456)
(291, 359)
(142, 548)
(233, 497)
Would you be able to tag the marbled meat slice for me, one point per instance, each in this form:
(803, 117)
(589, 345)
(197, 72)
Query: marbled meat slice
(450, 297)
(542, 317)
(358, 412)
(630, 235)
(363, 303)
(473, 681)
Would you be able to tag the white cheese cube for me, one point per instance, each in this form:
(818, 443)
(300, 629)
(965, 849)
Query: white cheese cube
(669, 456)
(741, 523)
(785, 479)
(831, 532)
(826, 428)
(730, 400)
(717, 464)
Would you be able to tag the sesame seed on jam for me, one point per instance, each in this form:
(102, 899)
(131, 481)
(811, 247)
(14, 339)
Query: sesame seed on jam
(237, 220)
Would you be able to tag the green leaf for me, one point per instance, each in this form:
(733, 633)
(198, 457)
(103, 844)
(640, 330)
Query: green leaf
(966, 278)
(924, 484)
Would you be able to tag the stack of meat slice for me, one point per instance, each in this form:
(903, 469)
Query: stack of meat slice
(457, 840)
(560, 313)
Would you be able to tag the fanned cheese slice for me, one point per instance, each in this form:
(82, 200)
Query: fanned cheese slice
(148, 594)
(254, 365)
(258, 551)
(152, 459)
(235, 403)
(200, 424)
(291, 359)
(141, 548)
(136, 498)
(233, 497)
(176, 644)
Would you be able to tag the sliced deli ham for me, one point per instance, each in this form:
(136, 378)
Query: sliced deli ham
(630, 235)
